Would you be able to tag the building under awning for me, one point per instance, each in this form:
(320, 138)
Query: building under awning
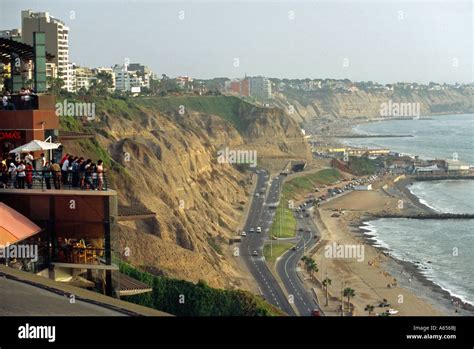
(14, 227)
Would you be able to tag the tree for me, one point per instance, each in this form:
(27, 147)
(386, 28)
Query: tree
(349, 293)
(369, 308)
(54, 85)
(102, 83)
(326, 282)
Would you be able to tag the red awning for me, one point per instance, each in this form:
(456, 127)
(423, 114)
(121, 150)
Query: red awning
(14, 227)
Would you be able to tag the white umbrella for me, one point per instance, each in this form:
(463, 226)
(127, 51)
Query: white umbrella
(35, 146)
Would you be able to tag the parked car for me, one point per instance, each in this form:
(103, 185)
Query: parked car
(259, 229)
(243, 233)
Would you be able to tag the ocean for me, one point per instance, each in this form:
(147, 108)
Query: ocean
(443, 250)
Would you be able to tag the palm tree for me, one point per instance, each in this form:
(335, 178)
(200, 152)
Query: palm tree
(326, 282)
(349, 293)
(312, 268)
(369, 308)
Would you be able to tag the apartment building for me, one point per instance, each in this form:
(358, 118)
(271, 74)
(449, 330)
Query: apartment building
(57, 41)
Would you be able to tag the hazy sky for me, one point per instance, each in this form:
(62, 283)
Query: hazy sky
(384, 41)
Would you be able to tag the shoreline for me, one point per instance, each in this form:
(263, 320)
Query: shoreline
(419, 283)
(431, 298)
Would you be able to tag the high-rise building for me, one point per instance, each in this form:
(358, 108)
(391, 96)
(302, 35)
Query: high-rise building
(126, 79)
(57, 41)
(260, 88)
(83, 77)
(142, 71)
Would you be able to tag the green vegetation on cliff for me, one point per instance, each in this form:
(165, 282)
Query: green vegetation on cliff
(183, 298)
(228, 107)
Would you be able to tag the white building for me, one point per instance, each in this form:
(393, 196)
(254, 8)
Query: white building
(260, 88)
(126, 79)
(57, 41)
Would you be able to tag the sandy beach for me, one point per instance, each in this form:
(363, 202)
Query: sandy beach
(377, 275)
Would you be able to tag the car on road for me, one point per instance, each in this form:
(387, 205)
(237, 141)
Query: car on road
(259, 229)
(315, 312)
(301, 229)
(257, 195)
(243, 233)
(252, 230)
(295, 248)
(308, 230)
(300, 216)
(255, 254)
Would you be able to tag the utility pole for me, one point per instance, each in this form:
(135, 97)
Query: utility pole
(342, 298)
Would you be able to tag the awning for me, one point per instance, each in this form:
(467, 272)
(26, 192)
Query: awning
(14, 227)
(35, 145)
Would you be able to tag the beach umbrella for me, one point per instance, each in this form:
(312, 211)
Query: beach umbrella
(35, 146)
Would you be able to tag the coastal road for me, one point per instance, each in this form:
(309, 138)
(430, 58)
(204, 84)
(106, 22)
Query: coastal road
(260, 215)
(286, 267)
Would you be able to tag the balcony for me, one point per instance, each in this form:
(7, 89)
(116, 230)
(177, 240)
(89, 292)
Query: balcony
(51, 182)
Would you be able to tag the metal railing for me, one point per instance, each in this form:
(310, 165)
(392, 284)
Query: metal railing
(21, 102)
(51, 180)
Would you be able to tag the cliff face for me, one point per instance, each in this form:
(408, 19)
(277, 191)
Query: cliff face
(310, 105)
(167, 161)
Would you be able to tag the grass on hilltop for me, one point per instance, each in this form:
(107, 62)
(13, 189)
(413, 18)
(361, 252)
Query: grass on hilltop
(277, 249)
(230, 108)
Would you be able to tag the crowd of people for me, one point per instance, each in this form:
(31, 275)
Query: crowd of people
(24, 103)
(71, 171)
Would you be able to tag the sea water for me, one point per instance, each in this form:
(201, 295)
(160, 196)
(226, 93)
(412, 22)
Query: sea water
(443, 250)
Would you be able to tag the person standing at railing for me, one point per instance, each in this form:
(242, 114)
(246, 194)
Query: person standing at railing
(12, 175)
(20, 175)
(65, 169)
(4, 175)
(47, 174)
(88, 176)
(29, 159)
(29, 175)
(75, 172)
(100, 175)
(56, 172)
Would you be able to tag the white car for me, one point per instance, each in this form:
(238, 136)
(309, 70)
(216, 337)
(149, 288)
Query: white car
(243, 233)
(259, 229)
(252, 230)
(391, 311)
(255, 254)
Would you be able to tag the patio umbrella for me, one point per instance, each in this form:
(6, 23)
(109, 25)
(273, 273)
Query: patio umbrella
(35, 146)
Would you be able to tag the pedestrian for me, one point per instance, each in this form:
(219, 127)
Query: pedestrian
(56, 173)
(75, 171)
(20, 175)
(4, 175)
(65, 170)
(100, 175)
(88, 175)
(47, 174)
(12, 175)
(29, 159)
(29, 175)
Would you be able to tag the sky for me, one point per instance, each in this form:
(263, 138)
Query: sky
(384, 41)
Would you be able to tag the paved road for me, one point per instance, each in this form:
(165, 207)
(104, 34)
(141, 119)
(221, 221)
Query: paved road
(260, 215)
(21, 299)
(304, 300)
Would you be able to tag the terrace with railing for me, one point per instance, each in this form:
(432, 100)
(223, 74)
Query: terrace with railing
(51, 180)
